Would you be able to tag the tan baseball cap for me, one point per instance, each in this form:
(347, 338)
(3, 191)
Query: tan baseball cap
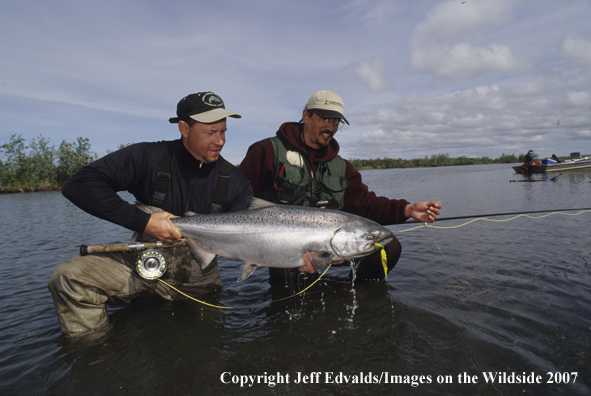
(327, 104)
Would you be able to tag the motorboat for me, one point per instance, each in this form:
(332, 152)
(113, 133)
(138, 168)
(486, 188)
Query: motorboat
(552, 164)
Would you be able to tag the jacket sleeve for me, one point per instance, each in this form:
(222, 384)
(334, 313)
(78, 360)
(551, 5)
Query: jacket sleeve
(362, 202)
(258, 165)
(94, 187)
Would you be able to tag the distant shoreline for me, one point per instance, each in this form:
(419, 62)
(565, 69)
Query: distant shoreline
(407, 166)
(366, 168)
(44, 187)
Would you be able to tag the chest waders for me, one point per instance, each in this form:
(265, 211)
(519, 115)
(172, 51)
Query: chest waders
(163, 179)
(152, 263)
(296, 184)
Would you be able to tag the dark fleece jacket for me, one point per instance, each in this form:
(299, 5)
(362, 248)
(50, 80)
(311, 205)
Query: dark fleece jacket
(259, 166)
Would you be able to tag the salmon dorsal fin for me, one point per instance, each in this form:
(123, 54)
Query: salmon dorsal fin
(150, 209)
(259, 203)
(147, 209)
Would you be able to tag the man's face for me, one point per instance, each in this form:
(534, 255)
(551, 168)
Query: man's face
(317, 132)
(204, 141)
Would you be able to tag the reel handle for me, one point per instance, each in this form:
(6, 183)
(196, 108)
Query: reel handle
(121, 247)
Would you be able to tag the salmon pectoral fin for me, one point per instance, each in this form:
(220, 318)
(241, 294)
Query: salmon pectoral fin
(246, 271)
(321, 261)
(202, 255)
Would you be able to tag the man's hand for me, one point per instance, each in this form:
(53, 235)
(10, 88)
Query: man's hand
(423, 211)
(160, 227)
(308, 267)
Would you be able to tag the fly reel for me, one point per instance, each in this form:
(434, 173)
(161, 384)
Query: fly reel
(151, 264)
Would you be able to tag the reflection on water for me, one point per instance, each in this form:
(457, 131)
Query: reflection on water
(508, 297)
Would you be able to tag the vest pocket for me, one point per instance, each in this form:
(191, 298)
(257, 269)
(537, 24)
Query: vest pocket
(332, 189)
(288, 193)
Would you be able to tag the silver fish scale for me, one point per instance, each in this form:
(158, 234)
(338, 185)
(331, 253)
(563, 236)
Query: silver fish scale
(279, 236)
(299, 217)
(304, 217)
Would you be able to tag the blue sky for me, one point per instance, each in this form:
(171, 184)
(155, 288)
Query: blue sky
(474, 77)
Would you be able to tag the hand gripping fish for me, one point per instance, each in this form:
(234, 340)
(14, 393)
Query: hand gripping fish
(271, 235)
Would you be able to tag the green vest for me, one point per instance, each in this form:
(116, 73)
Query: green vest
(295, 184)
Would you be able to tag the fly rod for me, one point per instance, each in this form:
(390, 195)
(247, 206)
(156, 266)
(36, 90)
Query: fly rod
(126, 247)
(151, 263)
(500, 214)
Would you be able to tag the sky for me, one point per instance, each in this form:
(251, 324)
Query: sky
(418, 78)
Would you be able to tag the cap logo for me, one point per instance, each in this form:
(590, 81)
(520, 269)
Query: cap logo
(212, 99)
(332, 102)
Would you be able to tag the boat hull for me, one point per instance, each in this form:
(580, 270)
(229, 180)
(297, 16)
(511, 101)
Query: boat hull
(529, 169)
(567, 165)
(570, 165)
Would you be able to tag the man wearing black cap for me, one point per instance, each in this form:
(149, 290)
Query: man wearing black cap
(184, 175)
(301, 166)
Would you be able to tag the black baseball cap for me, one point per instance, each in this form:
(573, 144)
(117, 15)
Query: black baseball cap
(205, 107)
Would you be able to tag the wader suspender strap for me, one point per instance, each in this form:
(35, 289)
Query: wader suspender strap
(163, 179)
(220, 189)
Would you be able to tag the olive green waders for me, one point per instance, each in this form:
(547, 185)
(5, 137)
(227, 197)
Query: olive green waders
(82, 286)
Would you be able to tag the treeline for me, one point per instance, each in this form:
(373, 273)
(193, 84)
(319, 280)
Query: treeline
(39, 166)
(434, 160)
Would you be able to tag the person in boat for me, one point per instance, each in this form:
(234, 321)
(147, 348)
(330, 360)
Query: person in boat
(301, 166)
(187, 174)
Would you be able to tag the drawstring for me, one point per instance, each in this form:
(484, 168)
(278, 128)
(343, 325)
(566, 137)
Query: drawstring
(280, 174)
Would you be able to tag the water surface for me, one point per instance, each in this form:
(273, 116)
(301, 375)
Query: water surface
(507, 297)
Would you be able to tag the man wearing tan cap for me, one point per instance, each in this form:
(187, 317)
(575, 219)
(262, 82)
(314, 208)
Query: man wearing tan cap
(301, 166)
(178, 176)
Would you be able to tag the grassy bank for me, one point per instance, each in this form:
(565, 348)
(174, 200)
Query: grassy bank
(25, 188)
(39, 166)
(433, 161)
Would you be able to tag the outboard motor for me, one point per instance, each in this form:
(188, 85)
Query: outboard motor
(528, 157)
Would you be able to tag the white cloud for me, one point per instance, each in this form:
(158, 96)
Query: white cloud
(453, 20)
(577, 48)
(442, 44)
(372, 75)
(495, 74)
(462, 61)
(485, 120)
(372, 14)
(579, 99)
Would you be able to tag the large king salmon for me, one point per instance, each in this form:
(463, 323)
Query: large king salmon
(271, 235)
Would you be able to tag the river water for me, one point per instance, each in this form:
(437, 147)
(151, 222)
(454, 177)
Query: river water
(468, 303)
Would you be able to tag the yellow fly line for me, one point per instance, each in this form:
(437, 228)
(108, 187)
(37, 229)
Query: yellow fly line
(245, 306)
(377, 245)
(383, 256)
(495, 220)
